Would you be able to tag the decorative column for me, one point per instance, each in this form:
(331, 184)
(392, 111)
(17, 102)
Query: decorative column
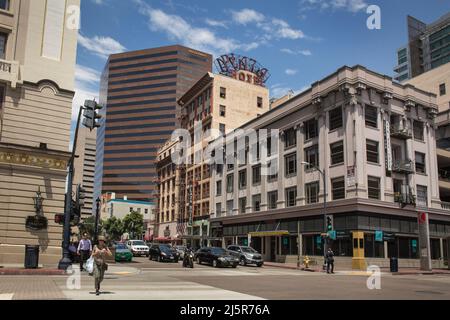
(281, 192)
(300, 167)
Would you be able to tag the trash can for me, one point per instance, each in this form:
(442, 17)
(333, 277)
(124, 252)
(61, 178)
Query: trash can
(394, 264)
(31, 257)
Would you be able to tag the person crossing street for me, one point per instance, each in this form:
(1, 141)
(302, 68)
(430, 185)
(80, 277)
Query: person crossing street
(84, 250)
(330, 261)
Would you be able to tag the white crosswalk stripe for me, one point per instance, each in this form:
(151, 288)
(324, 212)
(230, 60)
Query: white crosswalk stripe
(6, 296)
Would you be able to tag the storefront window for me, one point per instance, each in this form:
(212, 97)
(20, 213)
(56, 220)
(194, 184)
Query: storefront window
(289, 245)
(373, 249)
(435, 249)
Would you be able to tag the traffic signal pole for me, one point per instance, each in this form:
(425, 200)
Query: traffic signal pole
(66, 262)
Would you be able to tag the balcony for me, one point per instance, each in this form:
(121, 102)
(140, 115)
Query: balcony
(10, 72)
(405, 198)
(403, 166)
(401, 133)
(445, 205)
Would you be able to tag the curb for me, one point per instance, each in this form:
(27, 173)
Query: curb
(290, 267)
(31, 272)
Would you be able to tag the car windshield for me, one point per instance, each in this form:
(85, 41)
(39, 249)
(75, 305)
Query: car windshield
(138, 243)
(219, 251)
(249, 250)
(121, 246)
(165, 248)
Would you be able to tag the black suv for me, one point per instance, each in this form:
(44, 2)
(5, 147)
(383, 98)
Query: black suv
(217, 257)
(162, 252)
(246, 255)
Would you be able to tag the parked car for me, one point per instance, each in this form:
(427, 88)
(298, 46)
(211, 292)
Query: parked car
(163, 252)
(246, 255)
(138, 248)
(217, 257)
(180, 250)
(122, 253)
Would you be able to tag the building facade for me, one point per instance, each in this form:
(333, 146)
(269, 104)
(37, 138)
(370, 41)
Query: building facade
(215, 105)
(428, 48)
(373, 139)
(139, 91)
(37, 67)
(85, 168)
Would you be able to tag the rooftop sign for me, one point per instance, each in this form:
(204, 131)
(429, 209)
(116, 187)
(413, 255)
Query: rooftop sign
(242, 68)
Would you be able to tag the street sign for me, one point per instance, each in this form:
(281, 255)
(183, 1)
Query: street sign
(332, 235)
(379, 236)
(388, 236)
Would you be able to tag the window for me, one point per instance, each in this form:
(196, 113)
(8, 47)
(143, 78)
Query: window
(4, 5)
(338, 188)
(242, 205)
(312, 192)
(223, 93)
(371, 116)
(291, 197)
(312, 157)
(337, 153)
(422, 196)
(256, 175)
(418, 130)
(218, 188)
(290, 162)
(256, 199)
(311, 129)
(222, 111)
(3, 38)
(242, 179)
(374, 188)
(222, 128)
(146, 211)
(336, 118)
(230, 182)
(442, 89)
(290, 138)
(273, 175)
(229, 207)
(218, 209)
(260, 102)
(372, 151)
(420, 162)
(272, 198)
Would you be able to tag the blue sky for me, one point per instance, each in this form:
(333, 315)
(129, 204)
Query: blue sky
(299, 41)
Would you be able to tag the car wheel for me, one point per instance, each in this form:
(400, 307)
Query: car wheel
(234, 266)
(198, 261)
(158, 259)
(243, 262)
(260, 265)
(215, 264)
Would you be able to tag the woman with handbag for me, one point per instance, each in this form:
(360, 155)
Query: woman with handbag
(100, 266)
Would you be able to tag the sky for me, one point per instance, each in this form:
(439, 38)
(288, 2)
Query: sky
(299, 41)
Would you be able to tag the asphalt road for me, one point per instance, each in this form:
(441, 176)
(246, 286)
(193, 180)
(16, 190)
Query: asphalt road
(148, 280)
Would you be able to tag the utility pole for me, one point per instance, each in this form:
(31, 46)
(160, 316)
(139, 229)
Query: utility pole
(97, 215)
(90, 120)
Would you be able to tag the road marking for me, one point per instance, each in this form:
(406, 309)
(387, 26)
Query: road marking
(6, 296)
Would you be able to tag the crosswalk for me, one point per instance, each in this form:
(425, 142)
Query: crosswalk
(162, 290)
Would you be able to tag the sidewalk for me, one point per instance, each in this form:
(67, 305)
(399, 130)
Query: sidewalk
(51, 270)
(403, 271)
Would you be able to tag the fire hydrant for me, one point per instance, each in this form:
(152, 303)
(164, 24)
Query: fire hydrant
(306, 262)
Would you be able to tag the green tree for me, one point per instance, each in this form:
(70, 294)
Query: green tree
(88, 224)
(133, 224)
(114, 228)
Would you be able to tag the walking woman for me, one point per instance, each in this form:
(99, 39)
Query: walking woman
(99, 253)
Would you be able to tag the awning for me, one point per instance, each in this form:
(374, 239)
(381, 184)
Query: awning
(269, 233)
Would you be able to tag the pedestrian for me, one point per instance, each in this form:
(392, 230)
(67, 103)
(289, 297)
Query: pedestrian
(84, 250)
(73, 251)
(101, 251)
(330, 260)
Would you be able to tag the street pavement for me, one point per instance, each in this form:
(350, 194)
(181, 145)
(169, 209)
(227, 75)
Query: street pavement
(148, 280)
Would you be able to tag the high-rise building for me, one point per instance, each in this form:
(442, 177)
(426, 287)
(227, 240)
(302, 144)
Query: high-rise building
(427, 48)
(37, 67)
(139, 91)
(85, 168)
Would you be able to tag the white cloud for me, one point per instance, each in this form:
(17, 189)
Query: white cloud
(279, 90)
(81, 94)
(283, 30)
(216, 23)
(85, 74)
(178, 29)
(100, 46)
(297, 52)
(99, 1)
(348, 5)
(290, 72)
(246, 16)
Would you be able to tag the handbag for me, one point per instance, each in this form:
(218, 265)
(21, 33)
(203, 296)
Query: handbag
(90, 265)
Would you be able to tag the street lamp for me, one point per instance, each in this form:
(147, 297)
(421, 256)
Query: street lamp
(322, 173)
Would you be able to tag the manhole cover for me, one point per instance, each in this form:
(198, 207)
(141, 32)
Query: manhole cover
(430, 292)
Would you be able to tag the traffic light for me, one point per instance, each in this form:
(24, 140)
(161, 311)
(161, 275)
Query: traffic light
(91, 115)
(80, 196)
(329, 223)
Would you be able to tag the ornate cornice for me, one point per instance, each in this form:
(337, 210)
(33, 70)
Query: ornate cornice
(40, 161)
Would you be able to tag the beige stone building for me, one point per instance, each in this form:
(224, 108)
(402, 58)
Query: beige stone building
(85, 168)
(216, 104)
(38, 54)
(168, 224)
(374, 139)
